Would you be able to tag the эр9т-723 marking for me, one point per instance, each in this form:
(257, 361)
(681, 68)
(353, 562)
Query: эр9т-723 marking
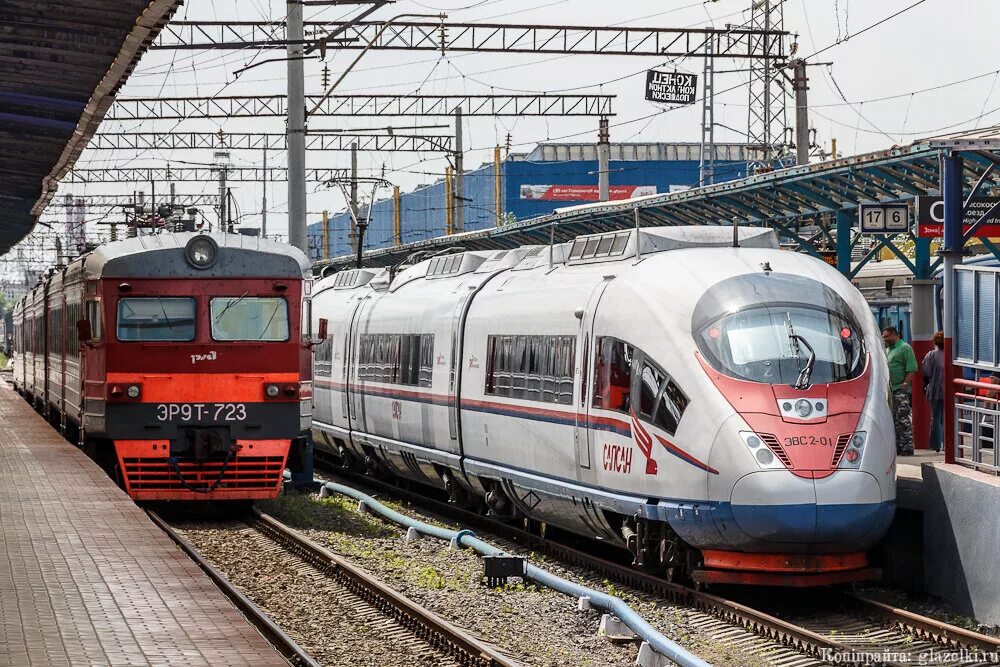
(176, 360)
(719, 410)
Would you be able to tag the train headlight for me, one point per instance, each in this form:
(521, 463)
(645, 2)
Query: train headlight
(760, 450)
(201, 252)
(851, 457)
(133, 391)
(272, 390)
(803, 408)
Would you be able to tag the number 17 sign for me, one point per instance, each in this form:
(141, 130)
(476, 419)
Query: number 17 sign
(884, 218)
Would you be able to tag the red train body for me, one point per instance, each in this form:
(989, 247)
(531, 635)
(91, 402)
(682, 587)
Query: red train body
(177, 361)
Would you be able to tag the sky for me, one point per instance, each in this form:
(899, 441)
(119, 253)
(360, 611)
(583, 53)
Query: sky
(891, 84)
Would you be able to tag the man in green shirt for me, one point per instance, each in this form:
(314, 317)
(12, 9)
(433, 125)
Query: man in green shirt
(902, 368)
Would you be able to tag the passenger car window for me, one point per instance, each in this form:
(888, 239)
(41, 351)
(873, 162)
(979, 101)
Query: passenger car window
(612, 374)
(156, 319)
(242, 318)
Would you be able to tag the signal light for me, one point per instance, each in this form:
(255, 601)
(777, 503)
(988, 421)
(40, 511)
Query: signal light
(845, 333)
(852, 455)
(272, 390)
(133, 391)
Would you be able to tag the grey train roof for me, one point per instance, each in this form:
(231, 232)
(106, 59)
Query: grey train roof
(163, 256)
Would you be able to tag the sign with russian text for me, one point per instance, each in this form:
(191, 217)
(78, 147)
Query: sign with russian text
(671, 87)
(884, 218)
(930, 217)
(583, 192)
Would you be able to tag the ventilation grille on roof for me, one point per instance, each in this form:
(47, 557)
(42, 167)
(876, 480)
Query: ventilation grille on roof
(443, 266)
(347, 279)
(604, 245)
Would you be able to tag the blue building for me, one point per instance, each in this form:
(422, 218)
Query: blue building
(551, 176)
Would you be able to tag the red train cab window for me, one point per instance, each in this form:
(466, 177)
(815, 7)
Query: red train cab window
(156, 319)
(243, 318)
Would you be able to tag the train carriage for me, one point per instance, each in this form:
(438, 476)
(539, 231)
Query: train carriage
(178, 361)
(716, 409)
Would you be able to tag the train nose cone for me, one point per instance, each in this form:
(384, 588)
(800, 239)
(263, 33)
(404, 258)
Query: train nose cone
(845, 508)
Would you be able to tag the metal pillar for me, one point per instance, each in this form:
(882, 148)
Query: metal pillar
(604, 160)
(922, 328)
(459, 173)
(296, 127)
(223, 158)
(263, 202)
(706, 165)
(800, 82)
(449, 202)
(497, 186)
(845, 223)
(325, 250)
(353, 196)
(397, 216)
(951, 250)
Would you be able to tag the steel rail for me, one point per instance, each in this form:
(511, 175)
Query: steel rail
(753, 620)
(268, 628)
(924, 627)
(422, 622)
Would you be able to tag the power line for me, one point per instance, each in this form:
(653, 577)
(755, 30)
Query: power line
(864, 30)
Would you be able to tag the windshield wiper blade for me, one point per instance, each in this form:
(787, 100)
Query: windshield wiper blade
(165, 316)
(805, 375)
(229, 305)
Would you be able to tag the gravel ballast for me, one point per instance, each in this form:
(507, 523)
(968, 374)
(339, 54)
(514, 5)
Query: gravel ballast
(535, 626)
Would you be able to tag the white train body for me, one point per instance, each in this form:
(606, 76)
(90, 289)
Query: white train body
(634, 386)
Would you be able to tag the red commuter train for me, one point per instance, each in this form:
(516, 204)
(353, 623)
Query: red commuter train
(177, 361)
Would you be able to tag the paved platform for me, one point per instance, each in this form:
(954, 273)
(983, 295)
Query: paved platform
(87, 579)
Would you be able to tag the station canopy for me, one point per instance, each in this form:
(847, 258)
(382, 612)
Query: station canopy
(61, 64)
(802, 203)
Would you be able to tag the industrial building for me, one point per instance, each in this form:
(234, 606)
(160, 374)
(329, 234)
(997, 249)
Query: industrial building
(530, 184)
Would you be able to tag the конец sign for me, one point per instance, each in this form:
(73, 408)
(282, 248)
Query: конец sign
(671, 87)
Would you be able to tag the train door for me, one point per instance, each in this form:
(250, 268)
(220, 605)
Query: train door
(349, 354)
(583, 436)
(455, 365)
(355, 399)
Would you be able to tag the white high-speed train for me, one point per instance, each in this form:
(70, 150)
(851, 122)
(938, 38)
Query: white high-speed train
(720, 410)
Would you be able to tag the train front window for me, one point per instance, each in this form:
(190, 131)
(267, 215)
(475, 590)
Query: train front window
(784, 344)
(156, 319)
(243, 318)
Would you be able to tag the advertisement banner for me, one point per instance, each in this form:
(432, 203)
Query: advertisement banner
(583, 192)
(930, 217)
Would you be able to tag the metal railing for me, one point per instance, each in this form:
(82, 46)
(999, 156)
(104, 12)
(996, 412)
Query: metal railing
(977, 414)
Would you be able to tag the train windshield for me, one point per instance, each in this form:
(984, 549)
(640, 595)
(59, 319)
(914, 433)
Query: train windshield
(784, 344)
(243, 318)
(156, 319)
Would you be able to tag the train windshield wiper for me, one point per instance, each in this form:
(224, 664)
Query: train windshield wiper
(805, 375)
(229, 305)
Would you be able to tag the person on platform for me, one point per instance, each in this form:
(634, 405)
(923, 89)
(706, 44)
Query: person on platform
(932, 368)
(902, 368)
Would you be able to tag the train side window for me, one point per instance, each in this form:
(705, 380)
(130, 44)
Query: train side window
(612, 374)
(670, 406)
(94, 317)
(649, 386)
(426, 360)
(531, 368)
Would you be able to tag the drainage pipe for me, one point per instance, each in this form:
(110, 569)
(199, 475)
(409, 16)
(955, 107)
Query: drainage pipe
(466, 538)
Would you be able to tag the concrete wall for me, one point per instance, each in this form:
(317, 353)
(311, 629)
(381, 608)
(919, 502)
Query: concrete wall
(962, 540)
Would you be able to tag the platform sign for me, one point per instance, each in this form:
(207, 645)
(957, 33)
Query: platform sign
(887, 219)
(930, 217)
(671, 87)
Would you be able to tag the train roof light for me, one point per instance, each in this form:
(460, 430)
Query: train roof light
(202, 252)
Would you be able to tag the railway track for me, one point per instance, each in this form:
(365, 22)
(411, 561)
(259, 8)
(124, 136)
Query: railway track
(419, 633)
(859, 631)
